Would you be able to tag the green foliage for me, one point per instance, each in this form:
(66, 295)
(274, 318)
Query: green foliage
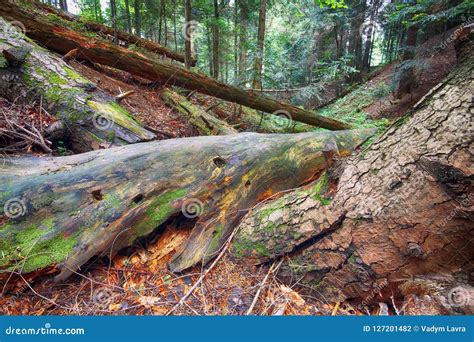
(332, 3)
(350, 108)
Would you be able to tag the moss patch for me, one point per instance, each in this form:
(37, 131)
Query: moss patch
(117, 114)
(32, 248)
(157, 212)
(243, 247)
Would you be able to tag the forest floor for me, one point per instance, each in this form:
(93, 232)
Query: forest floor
(137, 281)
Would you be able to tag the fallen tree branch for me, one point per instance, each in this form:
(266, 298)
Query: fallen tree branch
(122, 96)
(274, 268)
(206, 272)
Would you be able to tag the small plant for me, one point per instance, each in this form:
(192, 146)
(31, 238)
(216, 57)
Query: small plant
(62, 150)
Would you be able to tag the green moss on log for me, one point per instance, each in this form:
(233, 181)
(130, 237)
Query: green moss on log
(158, 211)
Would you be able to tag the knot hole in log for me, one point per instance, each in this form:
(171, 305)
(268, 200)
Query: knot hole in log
(137, 199)
(219, 162)
(97, 195)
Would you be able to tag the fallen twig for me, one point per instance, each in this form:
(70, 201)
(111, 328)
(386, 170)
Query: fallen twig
(272, 269)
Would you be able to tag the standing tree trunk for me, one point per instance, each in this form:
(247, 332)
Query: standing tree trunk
(165, 24)
(175, 34)
(370, 35)
(127, 15)
(161, 14)
(215, 41)
(405, 73)
(236, 40)
(244, 18)
(257, 78)
(113, 15)
(138, 18)
(188, 33)
(402, 212)
(63, 5)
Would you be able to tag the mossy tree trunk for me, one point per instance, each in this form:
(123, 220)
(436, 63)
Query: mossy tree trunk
(65, 210)
(204, 122)
(255, 121)
(30, 73)
(402, 211)
(63, 40)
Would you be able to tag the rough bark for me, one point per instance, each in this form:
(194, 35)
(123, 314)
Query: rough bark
(35, 74)
(68, 209)
(64, 40)
(123, 37)
(402, 212)
(205, 123)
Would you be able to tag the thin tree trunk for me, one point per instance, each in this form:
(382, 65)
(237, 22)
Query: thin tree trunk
(160, 20)
(215, 41)
(188, 36)
(138, 18)
(127, 14)
(63, 5)
(165, 23)
(244, 18)
(236, 48)
(174, 26)
(257, 79)
(113, 14)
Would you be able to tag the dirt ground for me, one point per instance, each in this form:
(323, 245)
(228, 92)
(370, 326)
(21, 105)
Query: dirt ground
(433, 65)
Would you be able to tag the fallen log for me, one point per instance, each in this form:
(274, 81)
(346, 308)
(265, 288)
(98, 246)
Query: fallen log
(259, 122)
(30, 73)
(401, 220)
(63, 40)
(205, 123)
(65, 210)
(86, 26)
